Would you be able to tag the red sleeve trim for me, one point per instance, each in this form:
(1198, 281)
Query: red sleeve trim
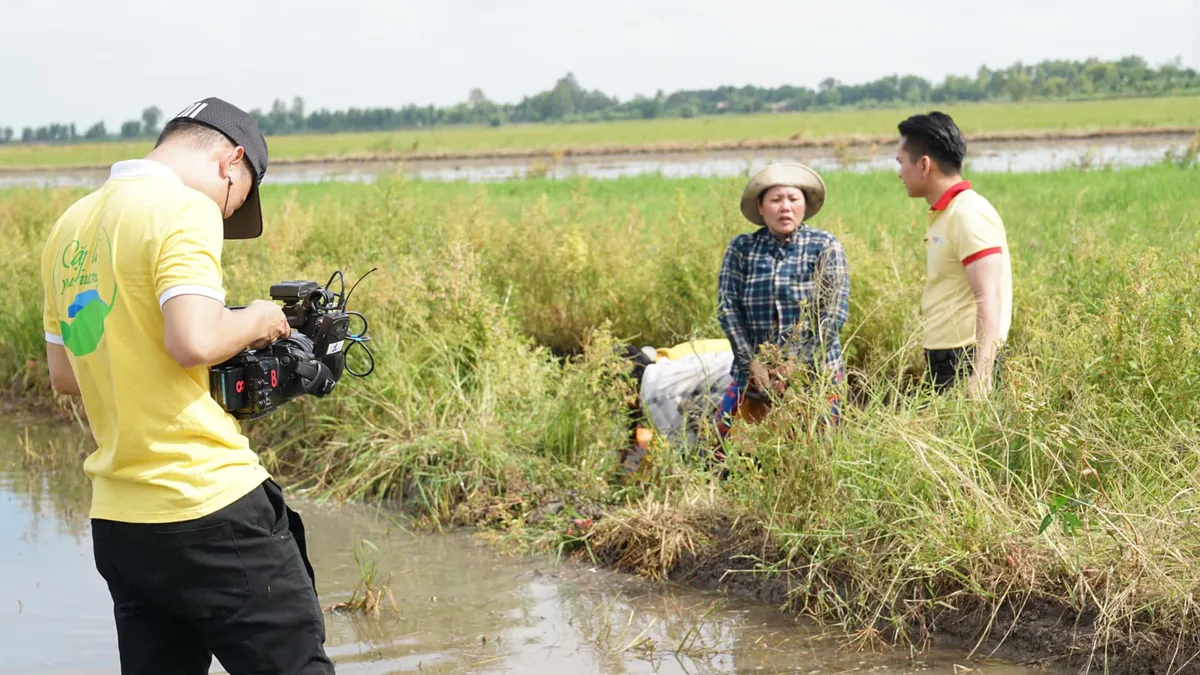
(981, 254)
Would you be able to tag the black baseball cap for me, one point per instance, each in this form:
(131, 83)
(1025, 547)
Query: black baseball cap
(241, 129)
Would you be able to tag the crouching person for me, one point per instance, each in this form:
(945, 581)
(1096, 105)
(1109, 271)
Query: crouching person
(678, 389)
(786, 284)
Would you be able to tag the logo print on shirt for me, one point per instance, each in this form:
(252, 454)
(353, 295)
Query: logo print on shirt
(85, 270)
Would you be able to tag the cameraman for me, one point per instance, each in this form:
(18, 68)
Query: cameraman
(200, 552)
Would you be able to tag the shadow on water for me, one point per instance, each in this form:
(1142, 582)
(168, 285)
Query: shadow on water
(463, 607)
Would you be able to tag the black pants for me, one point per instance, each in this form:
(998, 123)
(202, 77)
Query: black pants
(235, 584)
(948, 367)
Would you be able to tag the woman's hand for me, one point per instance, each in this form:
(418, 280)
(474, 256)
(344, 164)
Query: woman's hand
(760, 378)
(770, 380)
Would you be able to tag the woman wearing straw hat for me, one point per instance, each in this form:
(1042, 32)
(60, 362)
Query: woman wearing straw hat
(785, 284)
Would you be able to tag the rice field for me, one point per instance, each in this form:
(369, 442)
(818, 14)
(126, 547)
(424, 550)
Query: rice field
(1045, 118)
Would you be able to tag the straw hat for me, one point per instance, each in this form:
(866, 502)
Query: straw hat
(784, 173)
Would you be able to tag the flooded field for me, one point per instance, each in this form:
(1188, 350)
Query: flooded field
(1019, 157)
(463, 606)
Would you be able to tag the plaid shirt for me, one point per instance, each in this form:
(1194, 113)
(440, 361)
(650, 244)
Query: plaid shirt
(794, 293)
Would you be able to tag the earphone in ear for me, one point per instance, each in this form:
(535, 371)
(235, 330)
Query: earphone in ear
(229, 173)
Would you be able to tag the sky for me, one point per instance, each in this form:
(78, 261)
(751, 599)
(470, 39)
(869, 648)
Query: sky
(84, 61)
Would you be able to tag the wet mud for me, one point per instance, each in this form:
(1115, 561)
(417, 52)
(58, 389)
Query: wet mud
(461, 605)
(1035, 633)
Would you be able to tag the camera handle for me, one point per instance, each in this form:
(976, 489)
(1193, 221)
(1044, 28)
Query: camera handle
(316, 378)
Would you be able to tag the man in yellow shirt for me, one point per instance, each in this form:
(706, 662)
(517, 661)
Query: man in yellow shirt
(967, 303)
(201, 555)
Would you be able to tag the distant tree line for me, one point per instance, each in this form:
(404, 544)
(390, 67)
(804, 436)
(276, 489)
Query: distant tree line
(147, 126)
(568, 101)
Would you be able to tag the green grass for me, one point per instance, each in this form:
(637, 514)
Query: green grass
(973, 118)
(496, 307)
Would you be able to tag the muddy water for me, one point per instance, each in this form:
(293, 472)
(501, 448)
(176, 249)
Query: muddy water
(463, 607)
(1015, 157)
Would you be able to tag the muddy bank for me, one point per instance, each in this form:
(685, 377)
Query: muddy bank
(461, 607)
(795, 142)
(1024, 629)
(687, 548)
(617, 151)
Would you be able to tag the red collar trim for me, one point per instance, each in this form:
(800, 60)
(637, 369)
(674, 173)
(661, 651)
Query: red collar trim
(949, 195)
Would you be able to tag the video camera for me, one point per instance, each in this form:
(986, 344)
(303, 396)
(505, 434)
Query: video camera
(255, 382)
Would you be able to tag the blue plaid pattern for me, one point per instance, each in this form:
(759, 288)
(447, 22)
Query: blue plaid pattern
(793, 293)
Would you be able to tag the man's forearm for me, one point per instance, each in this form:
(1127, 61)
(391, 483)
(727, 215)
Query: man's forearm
(62, 375)
(202, 332)
(987, 332)
(236, 330)
(984, 276)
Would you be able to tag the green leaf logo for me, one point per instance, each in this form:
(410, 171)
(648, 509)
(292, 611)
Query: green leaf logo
(89, 269)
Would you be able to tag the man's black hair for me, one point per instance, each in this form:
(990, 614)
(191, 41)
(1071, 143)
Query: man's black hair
(193, 134)
(935, 135)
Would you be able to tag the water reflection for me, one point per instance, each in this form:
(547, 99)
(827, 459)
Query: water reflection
(463, 608)
(982, 158)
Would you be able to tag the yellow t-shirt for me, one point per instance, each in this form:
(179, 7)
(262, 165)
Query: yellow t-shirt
(166, 450)
(692, 348)
(963, 228)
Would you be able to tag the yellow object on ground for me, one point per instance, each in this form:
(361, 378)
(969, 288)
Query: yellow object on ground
(693, 348)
